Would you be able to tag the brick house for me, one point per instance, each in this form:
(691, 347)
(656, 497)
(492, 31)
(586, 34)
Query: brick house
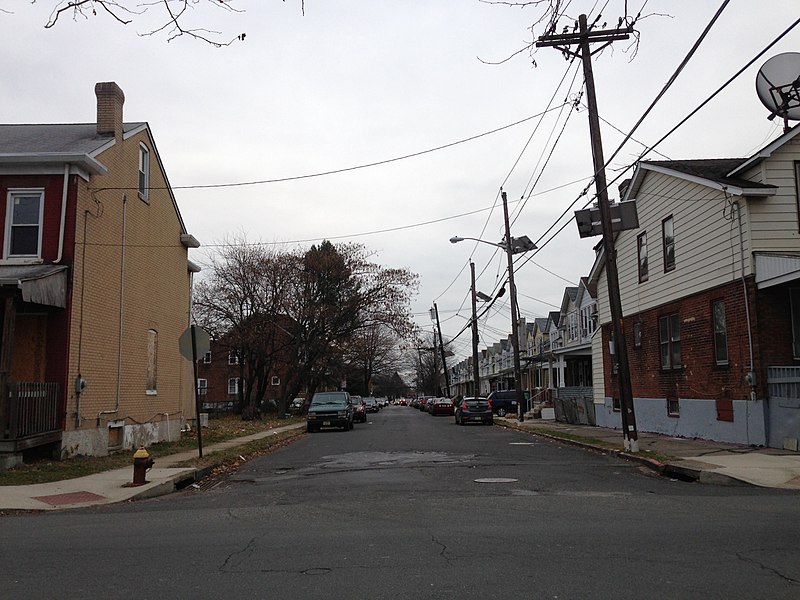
(95, 287)
(223, 372)
(710, 289)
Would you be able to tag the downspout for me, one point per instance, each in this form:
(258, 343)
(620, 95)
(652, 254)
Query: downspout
(121, 312)
(63, 215)
(751, 376)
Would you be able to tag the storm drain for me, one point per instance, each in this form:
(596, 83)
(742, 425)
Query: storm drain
(495, 480)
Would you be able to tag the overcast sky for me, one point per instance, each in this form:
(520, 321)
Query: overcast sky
(355, 82)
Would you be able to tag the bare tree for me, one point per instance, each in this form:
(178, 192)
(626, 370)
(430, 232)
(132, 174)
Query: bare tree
(172, 16)
(241, 302)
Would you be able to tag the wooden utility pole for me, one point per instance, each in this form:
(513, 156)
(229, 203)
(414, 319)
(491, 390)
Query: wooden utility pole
(441, 349)
(582, 39)
(509, 248)
(476, 387)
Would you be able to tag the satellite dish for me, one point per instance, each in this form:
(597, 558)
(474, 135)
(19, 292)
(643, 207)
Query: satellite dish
(778, 86)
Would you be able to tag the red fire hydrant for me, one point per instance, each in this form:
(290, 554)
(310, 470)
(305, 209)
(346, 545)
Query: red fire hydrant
(141, 464)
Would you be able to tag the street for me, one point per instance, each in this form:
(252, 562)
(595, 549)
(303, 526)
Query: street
(412, 506)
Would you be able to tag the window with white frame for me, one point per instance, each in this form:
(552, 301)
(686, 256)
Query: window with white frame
(572, 326)
(24, 223)
(641, 244)
(588, 323)
(233, 386)
(668, 230)
(144, 172)
(276, 380)
(207, 358)
(233, 357)
(669, 337)
(202, 387)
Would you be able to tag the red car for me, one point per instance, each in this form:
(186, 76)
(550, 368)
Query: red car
(359, 409)
(440, 406)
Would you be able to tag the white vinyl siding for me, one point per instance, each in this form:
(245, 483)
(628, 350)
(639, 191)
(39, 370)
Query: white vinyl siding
(774, 219)
(707, 243)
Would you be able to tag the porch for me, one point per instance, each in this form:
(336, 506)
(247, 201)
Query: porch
(30, 419)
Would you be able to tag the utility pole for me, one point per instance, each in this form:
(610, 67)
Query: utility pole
(441, 348)
(509, 247)
(583, 38)
(476, 388)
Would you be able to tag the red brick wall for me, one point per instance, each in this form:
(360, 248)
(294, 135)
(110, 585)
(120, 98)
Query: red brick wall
(699, 376)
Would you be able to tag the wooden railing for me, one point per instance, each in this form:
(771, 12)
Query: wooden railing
(33, 409)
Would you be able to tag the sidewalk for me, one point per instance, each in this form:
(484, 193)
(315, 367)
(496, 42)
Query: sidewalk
(698, 460)
(113, 486)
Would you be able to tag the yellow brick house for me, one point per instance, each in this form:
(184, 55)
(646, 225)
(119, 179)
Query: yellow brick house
(95, 289)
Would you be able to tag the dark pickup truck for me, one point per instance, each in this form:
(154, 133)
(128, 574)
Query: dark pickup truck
(330, 409)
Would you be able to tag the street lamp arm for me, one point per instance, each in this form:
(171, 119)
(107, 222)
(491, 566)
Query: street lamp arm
(518, 245)
(455, 239)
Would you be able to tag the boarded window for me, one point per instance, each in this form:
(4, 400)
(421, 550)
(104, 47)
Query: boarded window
(720, 333)
(152, 360)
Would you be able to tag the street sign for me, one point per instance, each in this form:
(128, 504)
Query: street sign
(202, 342)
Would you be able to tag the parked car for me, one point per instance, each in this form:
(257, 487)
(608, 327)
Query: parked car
(330, 409)
(474, 410)
(441, 406)
(371, 404)
(504, 402)
(298, 406)
(359, 409)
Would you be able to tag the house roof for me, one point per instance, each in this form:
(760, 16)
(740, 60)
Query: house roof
(64, 138)
(711, 172)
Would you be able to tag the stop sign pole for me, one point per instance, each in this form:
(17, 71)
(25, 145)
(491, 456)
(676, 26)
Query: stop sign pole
(192, 342)
(196, 393)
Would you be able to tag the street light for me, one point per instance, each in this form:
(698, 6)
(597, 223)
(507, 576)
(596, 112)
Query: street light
(517, 246)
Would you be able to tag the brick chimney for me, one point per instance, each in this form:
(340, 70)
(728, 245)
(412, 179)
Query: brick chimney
(109, 109)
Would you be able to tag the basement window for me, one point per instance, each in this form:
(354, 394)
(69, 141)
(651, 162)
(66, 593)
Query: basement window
(673, 407)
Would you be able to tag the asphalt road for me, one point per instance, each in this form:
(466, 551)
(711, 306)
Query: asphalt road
(412, 506)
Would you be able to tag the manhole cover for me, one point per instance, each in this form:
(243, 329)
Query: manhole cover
(496, 480)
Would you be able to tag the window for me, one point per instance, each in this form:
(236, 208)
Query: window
(669, 337)
(572, 326)
(233, 386)
(202, 387)
(673, 407)
(720, 333)
(276, 380)
(24, 223)
(641, 244)
(615, 405)
(797, 190)
(233, 357)
(152, 361)
(207, 358)
(794, 300)
(144, 172)
(637, 334)
(668, 230)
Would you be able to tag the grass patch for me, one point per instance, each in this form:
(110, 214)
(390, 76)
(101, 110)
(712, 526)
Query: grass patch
(218, 430)
(565, 435)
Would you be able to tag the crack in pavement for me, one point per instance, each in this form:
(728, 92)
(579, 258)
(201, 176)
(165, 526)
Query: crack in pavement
(443, 551)
(767, 568)
(247, 549)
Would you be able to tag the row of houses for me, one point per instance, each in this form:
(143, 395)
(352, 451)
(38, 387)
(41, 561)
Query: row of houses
(710, 292)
